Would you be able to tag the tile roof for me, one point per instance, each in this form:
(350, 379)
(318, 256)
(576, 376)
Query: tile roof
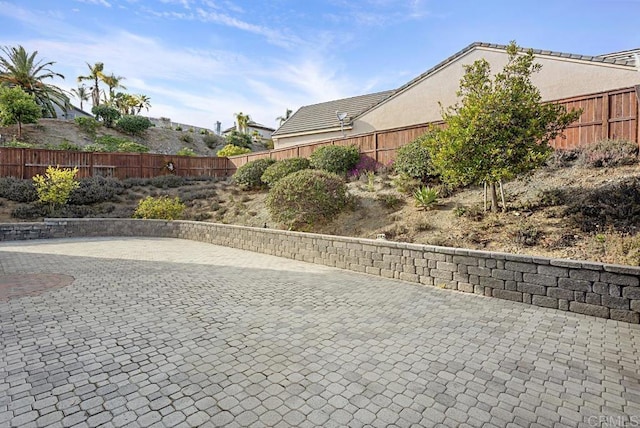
(251, 124)
(323, 115)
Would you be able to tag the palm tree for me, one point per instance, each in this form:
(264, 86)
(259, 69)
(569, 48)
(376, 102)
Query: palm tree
(18, 68)
(125, 103)
(283, 119)
(95, 75)
(243, 121)
(82, 94)
(113, 82)
(143, 102)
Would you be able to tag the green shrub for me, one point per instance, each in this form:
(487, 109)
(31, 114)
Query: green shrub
(249, 175)
(178, 128)
(163, 207)
(307, 197)
(186, 138)
(186, 151)
(108, 115)
(94, 148)
(607, 153)
(413, 160)
(56, 185)
(238, 139)
(18, 190)
(231, 150)
(167, 181)
(87, 124)
(28, 211)
(405, 184)
(283, 168)
(562, 158)
(66, 145)
(131, 147)
(389, 200)
(425, 197)
(133, 125)
(15, 144)
(110, 143)
(336, 159)
(95, 189)
(212, 141)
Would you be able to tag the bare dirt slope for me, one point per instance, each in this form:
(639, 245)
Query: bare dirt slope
(53, 132)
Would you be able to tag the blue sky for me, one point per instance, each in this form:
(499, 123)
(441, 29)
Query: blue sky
(204, 60)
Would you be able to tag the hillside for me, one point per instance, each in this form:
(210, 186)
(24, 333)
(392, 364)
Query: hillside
(53, 132)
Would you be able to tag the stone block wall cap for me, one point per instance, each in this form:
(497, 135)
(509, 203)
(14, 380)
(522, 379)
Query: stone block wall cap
(566, 263)
(628, 270)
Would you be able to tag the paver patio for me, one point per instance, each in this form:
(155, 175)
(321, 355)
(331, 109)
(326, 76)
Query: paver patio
(167, 332)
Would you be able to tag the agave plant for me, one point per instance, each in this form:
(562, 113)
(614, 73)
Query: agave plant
(426, 197)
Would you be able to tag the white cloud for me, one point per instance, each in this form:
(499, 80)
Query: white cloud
(104, 3)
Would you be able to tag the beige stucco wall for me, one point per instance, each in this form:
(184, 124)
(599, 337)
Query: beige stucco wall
(279, 143)
(559, 78)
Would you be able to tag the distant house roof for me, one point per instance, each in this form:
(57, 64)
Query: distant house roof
(251, 124)
(631, 57)
(323, 115)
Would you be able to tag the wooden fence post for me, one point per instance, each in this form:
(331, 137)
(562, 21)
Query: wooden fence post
(375, 146)
(22, 162)
(606, 115)
(637, 88)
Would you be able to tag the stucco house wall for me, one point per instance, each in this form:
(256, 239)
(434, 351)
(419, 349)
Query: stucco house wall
(558, 78)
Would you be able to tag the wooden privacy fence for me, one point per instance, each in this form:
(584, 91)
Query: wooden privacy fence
(611, 114)
(25, 163)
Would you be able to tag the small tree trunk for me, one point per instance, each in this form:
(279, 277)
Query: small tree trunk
(494, 197)
(485, 196)
(19, 130)
(504, 204)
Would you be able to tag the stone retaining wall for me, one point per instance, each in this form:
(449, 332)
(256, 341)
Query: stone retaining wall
(601, 290)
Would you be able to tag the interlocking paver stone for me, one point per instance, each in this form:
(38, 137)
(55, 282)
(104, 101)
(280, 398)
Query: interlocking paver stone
(166, 332)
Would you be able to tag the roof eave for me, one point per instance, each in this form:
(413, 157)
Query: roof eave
(311, 132)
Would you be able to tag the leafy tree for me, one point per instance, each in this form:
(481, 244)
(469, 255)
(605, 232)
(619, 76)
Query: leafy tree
(96, 73)
(16, 106)
(238, 139)
(108, 115)
(19, 68)
(500, 129)
(282, 119)
(81, 94)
